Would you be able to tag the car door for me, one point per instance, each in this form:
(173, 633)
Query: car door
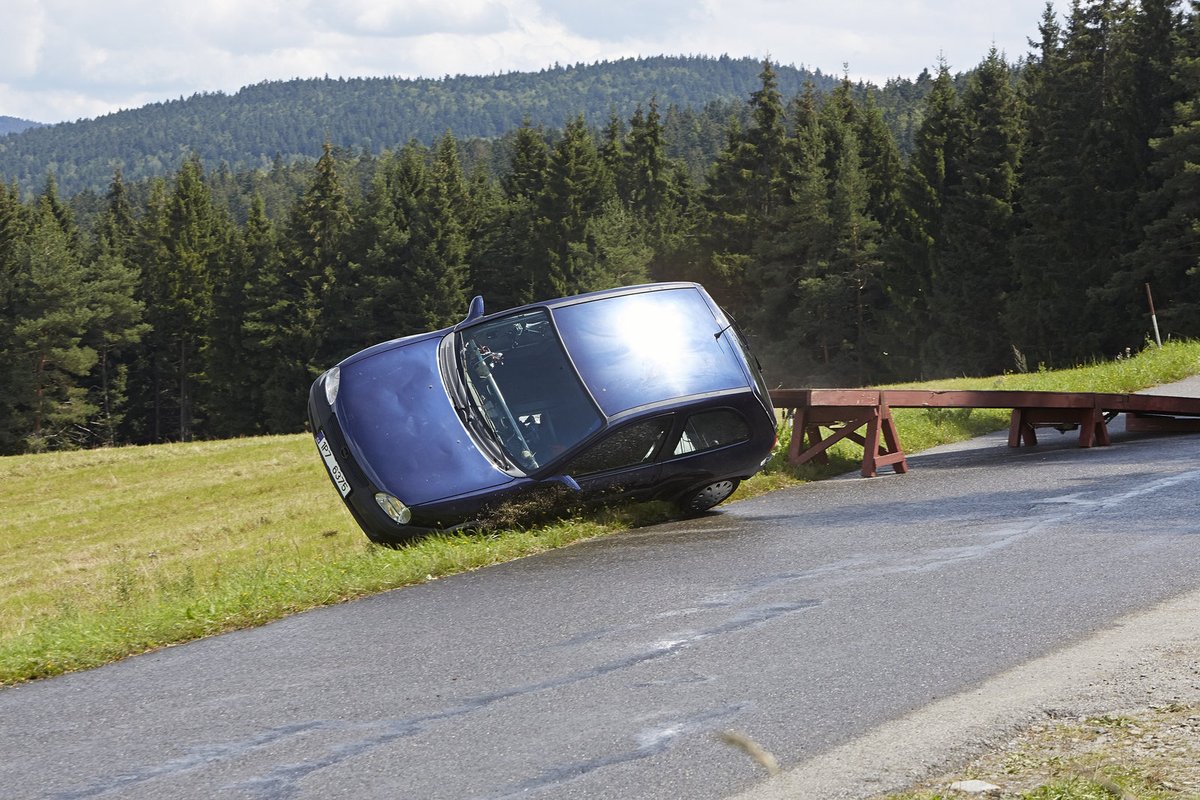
(624, 460)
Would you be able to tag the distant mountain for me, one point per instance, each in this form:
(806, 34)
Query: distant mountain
(16, 125)
(290, 119)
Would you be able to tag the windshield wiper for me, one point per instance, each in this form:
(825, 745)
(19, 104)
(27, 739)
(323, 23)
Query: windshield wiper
(475, 413)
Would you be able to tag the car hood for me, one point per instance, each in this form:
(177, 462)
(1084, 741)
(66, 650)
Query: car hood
(403, 430)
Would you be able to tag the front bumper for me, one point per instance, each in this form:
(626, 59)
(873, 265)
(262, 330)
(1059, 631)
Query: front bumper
(348, 477)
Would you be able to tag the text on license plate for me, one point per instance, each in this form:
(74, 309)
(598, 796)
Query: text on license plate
(335, 470)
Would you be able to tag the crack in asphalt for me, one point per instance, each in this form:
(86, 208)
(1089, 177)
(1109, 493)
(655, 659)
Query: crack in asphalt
(651, 742)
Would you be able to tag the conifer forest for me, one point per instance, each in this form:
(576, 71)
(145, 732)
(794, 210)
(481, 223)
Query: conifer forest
(1010, 216)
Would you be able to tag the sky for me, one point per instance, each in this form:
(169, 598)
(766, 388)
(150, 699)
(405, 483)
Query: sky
(63, 60)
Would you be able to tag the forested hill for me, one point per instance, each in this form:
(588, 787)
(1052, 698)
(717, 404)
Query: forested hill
(289, 119)
(15, 125)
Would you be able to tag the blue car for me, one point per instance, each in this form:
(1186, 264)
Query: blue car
(643, 392)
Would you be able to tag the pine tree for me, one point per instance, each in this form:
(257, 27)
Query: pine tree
(115, 279)
(52, 316)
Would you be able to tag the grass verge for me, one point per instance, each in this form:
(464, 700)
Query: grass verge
(1147, 755)
(108, 553)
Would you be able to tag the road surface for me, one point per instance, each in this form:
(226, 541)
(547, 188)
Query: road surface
(808, 620)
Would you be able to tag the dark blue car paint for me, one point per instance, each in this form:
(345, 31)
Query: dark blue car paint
(607, 340)
(407, 435)
(397, 425)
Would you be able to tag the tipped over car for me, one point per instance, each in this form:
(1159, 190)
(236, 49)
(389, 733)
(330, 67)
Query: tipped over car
(639, 393)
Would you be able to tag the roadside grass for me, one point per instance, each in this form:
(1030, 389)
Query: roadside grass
(108, 553)
(1148, 755)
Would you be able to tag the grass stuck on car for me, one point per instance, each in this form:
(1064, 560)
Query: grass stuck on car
(639, 393)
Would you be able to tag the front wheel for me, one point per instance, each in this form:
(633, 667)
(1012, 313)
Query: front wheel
(699, 500)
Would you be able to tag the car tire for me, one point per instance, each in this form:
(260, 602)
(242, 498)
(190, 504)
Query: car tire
(701, 499)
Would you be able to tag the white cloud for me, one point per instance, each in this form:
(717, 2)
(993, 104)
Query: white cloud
(411, 18)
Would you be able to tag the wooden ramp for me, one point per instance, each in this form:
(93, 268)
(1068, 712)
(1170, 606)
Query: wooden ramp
(843, 413)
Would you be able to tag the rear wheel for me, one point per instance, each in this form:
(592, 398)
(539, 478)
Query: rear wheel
(701, 499)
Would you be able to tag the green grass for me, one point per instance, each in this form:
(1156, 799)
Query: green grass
(107, 553)
(1149, 755)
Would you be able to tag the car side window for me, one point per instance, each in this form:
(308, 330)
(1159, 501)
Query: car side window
(711, 429)
(626, 447)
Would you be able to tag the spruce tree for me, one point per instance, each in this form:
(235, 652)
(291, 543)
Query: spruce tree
(973, 272)
(577, 188)
(1079, 187)
(499, 248)
(509, 264)
(932, 173)
(312, 320)
(260, 267)
(850, 288)
(233, 362)
(794, 259)
(1166, 258)
(13, 374)
(416, 261)
(116, 328)
(196, 237)
(743, 191)
(148, 415)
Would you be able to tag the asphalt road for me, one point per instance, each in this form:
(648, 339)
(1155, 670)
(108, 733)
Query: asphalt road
(805, 619)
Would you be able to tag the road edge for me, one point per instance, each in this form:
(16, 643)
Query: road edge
(1125, 663)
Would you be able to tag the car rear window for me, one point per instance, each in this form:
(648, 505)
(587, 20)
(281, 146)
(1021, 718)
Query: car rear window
(709, 430)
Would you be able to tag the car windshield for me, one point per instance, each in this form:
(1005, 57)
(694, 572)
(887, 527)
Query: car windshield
(524, 388)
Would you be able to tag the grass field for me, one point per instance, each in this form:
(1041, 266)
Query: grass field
(107, 553)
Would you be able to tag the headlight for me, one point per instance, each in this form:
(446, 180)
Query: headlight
(394, 508)
(333, 379)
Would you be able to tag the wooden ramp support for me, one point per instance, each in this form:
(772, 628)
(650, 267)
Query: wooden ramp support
(843, 412)
(862, 409)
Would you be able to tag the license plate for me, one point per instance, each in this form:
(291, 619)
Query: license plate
(335, 470)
